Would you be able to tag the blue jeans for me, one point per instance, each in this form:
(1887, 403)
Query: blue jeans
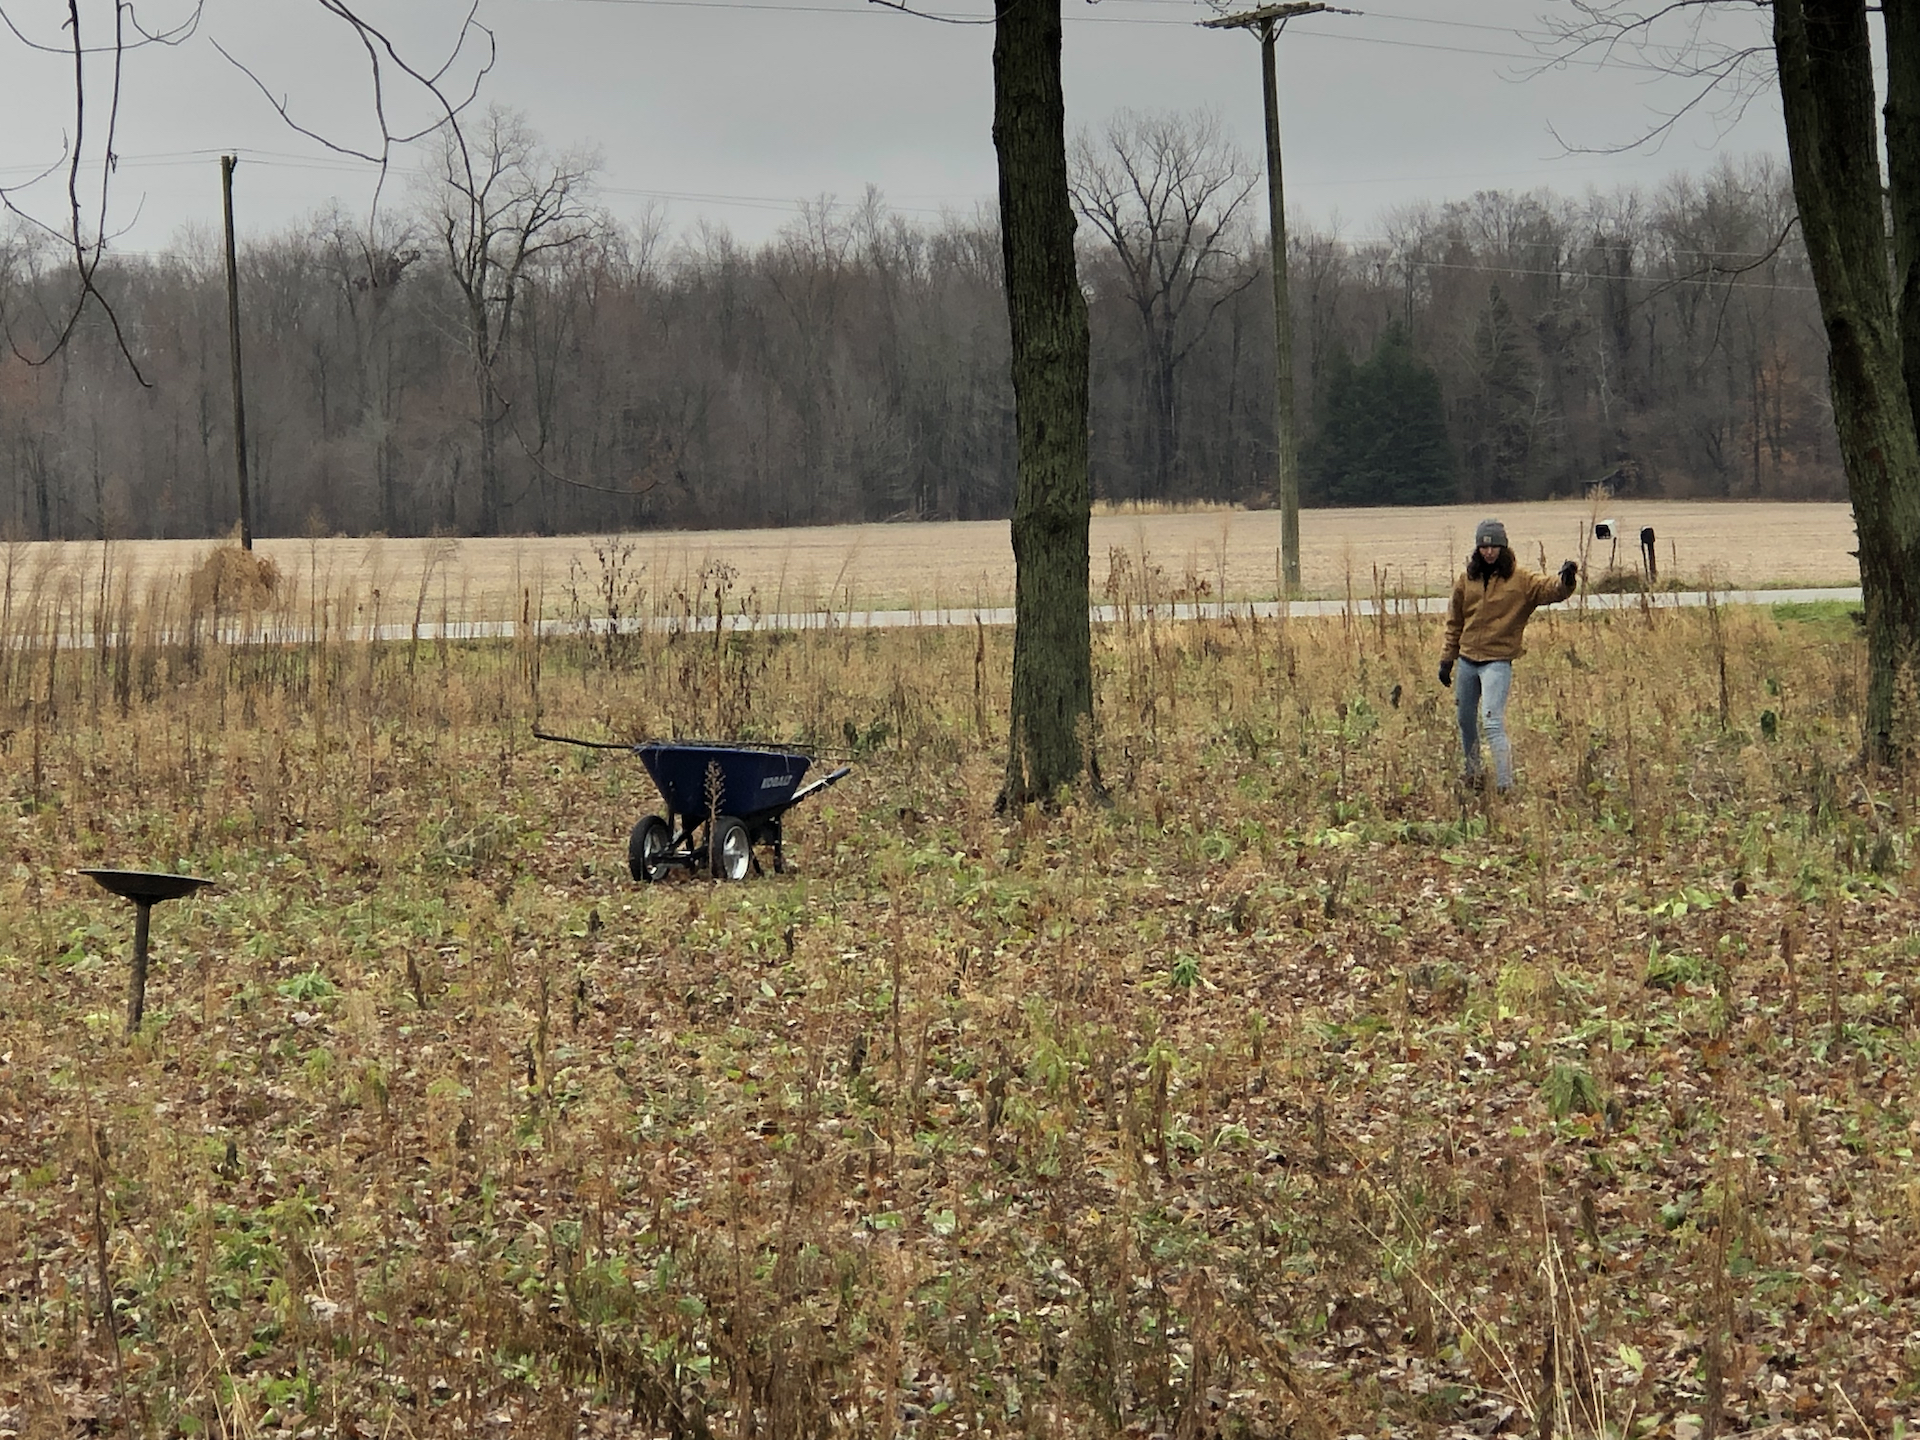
(1480, 695)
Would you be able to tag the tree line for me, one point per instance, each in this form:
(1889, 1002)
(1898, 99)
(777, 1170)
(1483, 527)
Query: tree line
(500, 355)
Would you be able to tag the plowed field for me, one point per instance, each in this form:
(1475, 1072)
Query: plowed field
(971, 563)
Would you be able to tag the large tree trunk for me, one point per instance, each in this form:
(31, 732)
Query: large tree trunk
(1052, 739)
(1827, 94)
(1903, 177)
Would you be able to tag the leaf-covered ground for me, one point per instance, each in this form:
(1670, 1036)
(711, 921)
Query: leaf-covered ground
(1289, 1090)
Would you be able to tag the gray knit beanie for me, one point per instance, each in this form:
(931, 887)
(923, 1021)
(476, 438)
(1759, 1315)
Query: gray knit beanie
(1490, 532)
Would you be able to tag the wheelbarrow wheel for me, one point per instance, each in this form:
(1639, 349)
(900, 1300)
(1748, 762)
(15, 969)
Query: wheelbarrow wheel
(647, 847)
(729, 852)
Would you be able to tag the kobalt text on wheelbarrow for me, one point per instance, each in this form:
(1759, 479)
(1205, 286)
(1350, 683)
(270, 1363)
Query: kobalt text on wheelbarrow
(722, 801)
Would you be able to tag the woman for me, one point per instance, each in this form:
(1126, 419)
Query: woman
(1485, 622)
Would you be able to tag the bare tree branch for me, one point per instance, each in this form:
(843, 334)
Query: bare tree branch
(87, 236)
(906, 9)
(533, 455)
(88, 243)
(1716, 270)
(1732, 70)
(88, 251)
(1671, 39)
(1608, 32)
(381, 53)
(174, 35)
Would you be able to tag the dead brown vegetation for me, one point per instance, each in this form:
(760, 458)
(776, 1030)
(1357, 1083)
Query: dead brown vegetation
(231, 579)
(1293, 1092)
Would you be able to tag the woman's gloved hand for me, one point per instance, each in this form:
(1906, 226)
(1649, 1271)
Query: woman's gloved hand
(1446, 673)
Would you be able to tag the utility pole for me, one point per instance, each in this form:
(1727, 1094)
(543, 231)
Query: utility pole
(1267, 22)
(227, 162)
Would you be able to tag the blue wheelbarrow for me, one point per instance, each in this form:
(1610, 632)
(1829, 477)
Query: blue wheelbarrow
(723, 801)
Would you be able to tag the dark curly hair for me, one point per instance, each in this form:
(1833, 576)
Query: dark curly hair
(1478, 569)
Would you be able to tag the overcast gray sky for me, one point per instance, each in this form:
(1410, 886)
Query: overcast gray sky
(736, 110)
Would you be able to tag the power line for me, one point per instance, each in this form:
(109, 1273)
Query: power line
(282, 161)
(286, 160)
(1612, 62)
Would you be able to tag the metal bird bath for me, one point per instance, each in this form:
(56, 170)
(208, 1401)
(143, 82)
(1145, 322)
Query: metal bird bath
(146, 888)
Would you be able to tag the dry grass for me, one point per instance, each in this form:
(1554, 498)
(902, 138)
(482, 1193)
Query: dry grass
(971, 564)
(1292, 1092)
(232, 579)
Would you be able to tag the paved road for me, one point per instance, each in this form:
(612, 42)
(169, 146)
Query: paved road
(1102, 614)
(833, 620)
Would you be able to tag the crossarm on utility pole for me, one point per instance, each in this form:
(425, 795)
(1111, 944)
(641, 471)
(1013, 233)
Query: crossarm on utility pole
(1269, 14)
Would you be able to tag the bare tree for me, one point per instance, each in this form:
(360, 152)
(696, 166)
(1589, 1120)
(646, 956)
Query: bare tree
(1822, 56)
(1164, 191)
(365, 266)
(501, 206)
(406, 100)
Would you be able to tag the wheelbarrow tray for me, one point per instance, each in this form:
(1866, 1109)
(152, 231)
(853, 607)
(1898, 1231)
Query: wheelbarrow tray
(698, 778)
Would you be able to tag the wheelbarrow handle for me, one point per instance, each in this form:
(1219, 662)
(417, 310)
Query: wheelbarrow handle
(822, 783)
(540, 734)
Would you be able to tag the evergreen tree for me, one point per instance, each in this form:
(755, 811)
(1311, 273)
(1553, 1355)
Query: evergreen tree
(1382, 432)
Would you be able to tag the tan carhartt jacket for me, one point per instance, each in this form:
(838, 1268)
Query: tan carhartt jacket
(1486, 618)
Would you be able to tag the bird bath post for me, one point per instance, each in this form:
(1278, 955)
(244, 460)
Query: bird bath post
(146, 888)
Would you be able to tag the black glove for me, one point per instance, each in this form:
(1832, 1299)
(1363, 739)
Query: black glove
(1446, 673)
(1569, 572)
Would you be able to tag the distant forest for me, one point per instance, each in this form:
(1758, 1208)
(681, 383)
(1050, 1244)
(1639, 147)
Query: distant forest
(500, 356)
